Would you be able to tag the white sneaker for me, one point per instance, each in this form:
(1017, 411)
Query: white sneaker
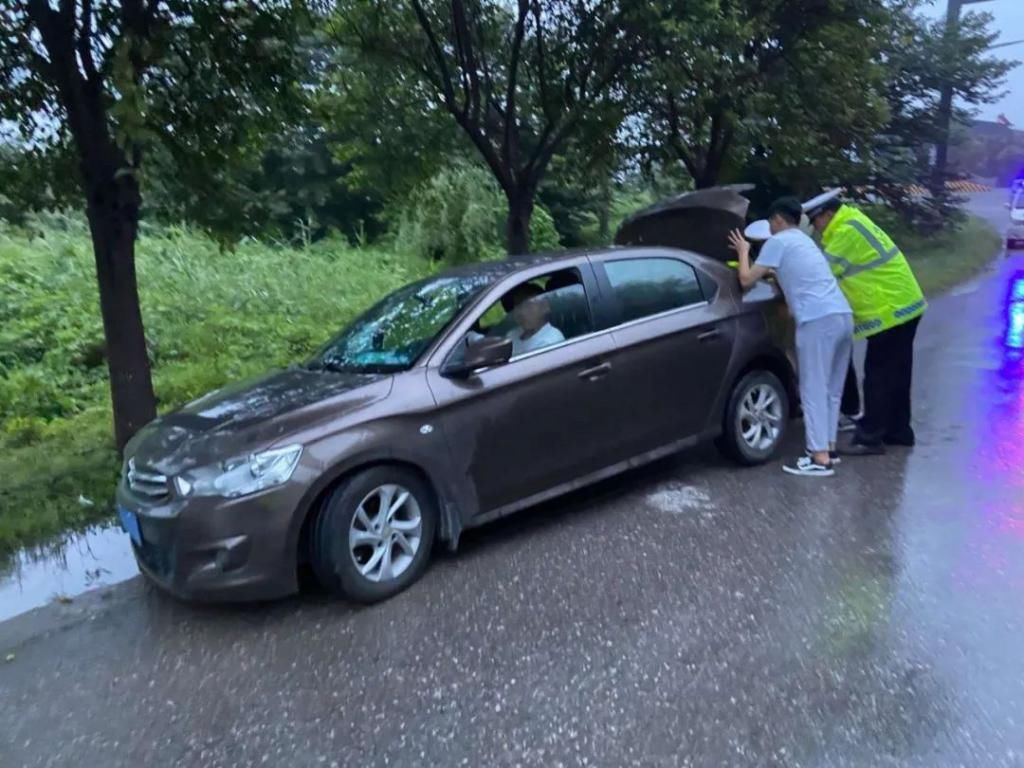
(805, 466)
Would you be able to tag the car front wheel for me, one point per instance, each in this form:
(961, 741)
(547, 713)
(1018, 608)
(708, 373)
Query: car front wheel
(755, 419)
(373, 535)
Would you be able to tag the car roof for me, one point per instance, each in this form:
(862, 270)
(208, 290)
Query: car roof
(499, 270)
(509, 266)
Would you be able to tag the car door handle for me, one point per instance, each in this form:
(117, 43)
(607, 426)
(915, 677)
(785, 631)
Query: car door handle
(597, 372)
(711, 335)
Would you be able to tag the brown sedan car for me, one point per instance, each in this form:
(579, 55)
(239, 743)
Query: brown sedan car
(452, 402)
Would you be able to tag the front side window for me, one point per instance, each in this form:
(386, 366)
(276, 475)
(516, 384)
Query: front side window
(647, 287)
(392, 335)
(537, 314)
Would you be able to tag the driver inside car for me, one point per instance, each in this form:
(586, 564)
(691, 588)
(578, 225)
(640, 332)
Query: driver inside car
(529, 309)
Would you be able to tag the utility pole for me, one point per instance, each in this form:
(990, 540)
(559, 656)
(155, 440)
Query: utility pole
(946, 100)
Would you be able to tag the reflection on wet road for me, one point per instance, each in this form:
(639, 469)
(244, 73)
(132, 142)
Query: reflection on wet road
(692, 614)
(100, 556)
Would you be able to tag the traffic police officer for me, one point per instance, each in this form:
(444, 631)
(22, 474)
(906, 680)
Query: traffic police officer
(887, 305)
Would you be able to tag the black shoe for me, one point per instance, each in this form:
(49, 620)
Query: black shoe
(848, 423)
(900, 441)
(861, 449)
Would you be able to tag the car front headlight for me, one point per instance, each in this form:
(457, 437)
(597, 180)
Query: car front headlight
(241, 477)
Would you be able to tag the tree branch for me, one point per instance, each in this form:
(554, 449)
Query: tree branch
(542, 68)
(85, 41)
(444, 79)
(675, 137)
(464, 58)
(510, 143)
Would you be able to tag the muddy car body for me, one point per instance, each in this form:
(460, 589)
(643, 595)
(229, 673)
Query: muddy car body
(386, 443)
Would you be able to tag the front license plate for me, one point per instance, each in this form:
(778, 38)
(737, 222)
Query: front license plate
(130, 523)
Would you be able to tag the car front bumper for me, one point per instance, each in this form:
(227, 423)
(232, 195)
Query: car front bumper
(214, 549)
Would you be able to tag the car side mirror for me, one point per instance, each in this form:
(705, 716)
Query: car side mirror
(1007, 206)
(480, 354)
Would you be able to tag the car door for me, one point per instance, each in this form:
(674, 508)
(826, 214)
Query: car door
(673, 341)
(521, 429)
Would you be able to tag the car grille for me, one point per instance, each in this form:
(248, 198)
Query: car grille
(146, 482)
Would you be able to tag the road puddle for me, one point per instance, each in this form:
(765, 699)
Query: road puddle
(100, 556)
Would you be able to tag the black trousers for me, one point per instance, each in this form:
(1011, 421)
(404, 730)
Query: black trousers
(888, 375)
(850, 405)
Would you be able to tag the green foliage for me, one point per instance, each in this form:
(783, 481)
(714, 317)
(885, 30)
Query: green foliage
(517, 80)
(212, 316)
(922, 56)
(543, 233)
(794, 84)
(458, 217)
(194, 86)
(454, 217)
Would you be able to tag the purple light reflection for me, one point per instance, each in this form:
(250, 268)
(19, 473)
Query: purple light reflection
(1013, 340)
(997, 403)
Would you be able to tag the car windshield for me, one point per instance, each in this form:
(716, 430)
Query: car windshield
(1018, 202)
(392, 335)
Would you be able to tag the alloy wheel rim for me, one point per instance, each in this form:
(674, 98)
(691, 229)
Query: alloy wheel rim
(760, 417)
(386, 533)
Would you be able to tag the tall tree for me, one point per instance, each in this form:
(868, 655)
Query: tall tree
(114, 78)
(791, 81)
(920, 57)
(384, 125)
(518, 78)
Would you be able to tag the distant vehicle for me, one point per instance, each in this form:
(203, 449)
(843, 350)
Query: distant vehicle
(1015, 232)
(432, 413)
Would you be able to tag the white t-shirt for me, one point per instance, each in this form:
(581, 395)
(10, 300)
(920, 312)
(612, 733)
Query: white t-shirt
(803, 274)
(547, 336)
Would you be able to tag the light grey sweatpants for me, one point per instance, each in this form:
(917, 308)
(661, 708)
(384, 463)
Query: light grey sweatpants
(823, 349)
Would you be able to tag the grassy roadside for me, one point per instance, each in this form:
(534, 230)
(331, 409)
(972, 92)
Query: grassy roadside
(944, 261)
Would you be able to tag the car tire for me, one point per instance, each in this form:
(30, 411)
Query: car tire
(738, 440)
(355, 547)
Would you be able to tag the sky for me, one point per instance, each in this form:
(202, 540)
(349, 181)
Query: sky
(1009, 20)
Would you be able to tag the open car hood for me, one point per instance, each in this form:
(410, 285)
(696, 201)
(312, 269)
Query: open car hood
(694, 221)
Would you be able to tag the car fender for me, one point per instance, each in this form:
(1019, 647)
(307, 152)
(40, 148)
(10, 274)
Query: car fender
(375, 444)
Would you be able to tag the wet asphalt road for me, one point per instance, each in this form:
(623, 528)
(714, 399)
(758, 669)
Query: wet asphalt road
(691, 614)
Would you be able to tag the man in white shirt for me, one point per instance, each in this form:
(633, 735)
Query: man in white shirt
(824, 326)
(531, 311)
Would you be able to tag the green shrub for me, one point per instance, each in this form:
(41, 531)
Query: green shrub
(543, 234)
(458, 217)
(454, 217)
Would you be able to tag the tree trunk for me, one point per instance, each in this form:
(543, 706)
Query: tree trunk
(113, 213)
(604, 209)
(708, 175)
(517, 224)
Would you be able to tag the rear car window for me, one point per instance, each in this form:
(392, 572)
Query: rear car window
(646, 287)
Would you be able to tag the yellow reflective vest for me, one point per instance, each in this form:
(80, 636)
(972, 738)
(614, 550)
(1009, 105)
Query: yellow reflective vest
(872, 272)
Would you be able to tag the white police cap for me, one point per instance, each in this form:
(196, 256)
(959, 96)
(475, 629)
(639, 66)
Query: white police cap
(812, 206)
(758, 230)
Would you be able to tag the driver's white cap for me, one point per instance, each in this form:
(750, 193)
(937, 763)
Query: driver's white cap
(758, 230)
